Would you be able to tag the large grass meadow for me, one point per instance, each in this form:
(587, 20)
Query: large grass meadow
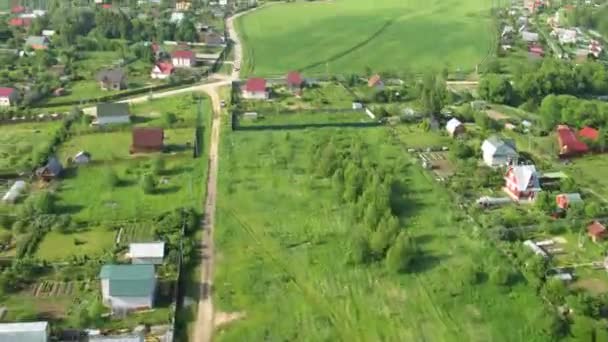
(347, 36)
(282, 239)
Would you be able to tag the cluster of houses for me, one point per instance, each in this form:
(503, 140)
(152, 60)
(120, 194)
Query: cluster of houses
(124, 288)
(144, 139)
(257, 88)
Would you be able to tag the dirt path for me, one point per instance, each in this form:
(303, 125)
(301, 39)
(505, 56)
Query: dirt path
(205, 317)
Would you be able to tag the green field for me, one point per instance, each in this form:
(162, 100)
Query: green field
(90, 242)
(282, 240)
(342, 36)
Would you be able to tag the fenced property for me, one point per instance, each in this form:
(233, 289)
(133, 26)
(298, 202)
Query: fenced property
(438, 163)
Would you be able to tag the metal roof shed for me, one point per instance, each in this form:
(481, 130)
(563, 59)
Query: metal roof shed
(24, 332)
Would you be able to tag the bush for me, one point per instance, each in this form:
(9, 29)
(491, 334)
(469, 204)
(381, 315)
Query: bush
(158, 166)
(500, 276)
(402, 254)
(148, 183)
(111, 178)
(169, 118)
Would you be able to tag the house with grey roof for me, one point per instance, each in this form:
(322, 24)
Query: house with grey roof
(24, 332)
(147, 252)
(498, 152)
(112, 79)
(51, 170)
(117, 338)
(128, 287)
(112, 113)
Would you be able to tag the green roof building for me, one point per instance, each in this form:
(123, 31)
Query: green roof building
(128, 287)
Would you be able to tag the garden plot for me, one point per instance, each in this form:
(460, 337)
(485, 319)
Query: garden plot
(438, 162)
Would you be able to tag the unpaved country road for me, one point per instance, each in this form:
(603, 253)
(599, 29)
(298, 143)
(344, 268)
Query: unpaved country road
(205, 316)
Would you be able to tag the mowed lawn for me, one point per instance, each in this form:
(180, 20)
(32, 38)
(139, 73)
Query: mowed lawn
(91, 242)
(282, 242)
(347, 36)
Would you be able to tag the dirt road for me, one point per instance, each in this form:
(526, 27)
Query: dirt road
(205, 317)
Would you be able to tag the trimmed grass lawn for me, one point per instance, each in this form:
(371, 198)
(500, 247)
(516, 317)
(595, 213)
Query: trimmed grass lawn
(5, 5)
(19, 142)
(590, 171)
(348, 36)
(282, 243)
(91, 242)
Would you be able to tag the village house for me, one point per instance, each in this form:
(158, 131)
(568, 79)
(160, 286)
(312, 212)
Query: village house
(255, 89)
(8, 97)
(529, 37)
(51, 170)
(498, 152)
(183, 59)
(112, 79)
(294, 81)
(24, 332)
(82, 157)
(37, 42)
(596, 231)
(589, 133)
(147, 253)
(536, 51)
(563, 201)
(565, 36)
(112, 113)
(161, 70)
(455, 127)
(128, 287)
(147, 140)
(375, 82)
(213, 39)
(568, 143)
(522, 182)
(20, 22)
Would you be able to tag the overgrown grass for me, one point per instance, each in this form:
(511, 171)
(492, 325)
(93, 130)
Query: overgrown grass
(19, 143)
(342, 36)
(282, 239)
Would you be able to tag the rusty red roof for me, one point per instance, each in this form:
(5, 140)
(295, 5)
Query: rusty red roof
(17, 9)
(568, 142)
(148, 137)
(165, 67)
(255, 84)
(589, 133)
(182, 54)
(5, 92)
(294, 78)
(19, 22)
(596, 228)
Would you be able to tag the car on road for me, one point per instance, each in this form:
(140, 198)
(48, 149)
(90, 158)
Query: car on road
(223, 103)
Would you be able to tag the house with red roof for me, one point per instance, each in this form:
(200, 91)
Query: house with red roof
(255, 89)
(183, 59)
(20, 22)
(596, 231)
(522, 182)
(8, 96)
(18, 9)
(569, 144)
(375, 82)
(294, 81)
(147, 139)
(536, 50)
(589, 133)
(161, 70)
